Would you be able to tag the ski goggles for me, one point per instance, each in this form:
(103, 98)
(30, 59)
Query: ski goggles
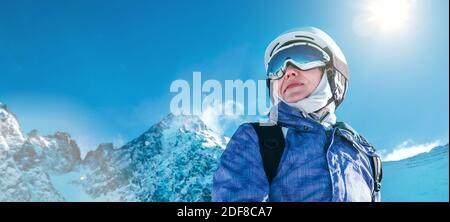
(303, 55)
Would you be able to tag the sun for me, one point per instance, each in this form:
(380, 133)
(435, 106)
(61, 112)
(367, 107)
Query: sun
(389, 15)
(380, 17)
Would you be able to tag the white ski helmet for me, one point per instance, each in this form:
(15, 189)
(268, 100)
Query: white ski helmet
(336, 68)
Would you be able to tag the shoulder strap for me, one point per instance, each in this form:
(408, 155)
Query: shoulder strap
(271, 147)
(377, 169)
(377, 172)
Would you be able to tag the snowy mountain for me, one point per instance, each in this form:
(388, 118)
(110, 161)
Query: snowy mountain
(172, 161)
(23, 164)
(423, 177)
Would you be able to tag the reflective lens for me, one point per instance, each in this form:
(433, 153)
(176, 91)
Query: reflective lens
(303, 55)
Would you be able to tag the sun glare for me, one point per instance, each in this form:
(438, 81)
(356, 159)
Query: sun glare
(389, 15)
(383, 16)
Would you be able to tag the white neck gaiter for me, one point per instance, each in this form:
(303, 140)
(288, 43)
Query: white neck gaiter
(310, 105)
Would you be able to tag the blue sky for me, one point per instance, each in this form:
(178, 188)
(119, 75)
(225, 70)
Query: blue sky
(101, 70)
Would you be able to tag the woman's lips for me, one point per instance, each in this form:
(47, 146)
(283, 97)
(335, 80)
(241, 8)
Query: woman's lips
(292, 85)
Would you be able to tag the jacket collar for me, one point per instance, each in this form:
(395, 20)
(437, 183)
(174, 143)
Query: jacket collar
(290, 117)
(287, 116)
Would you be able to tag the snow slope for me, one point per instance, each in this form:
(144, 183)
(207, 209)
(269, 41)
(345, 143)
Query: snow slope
(423, 177)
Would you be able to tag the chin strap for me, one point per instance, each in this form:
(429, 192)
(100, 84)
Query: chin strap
(322, 113)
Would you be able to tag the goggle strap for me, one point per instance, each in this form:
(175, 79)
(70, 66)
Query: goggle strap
(341, 67)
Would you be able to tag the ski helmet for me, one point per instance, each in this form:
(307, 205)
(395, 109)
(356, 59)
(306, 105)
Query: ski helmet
(336, 66)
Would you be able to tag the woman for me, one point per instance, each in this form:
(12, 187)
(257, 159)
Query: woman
(317, 159)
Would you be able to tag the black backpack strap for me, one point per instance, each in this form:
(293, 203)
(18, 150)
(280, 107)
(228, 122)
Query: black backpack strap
(377, 169)
(377, 173)
(271, 147)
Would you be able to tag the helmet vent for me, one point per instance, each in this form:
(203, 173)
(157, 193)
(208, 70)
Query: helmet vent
(302, 36)
(273, 49)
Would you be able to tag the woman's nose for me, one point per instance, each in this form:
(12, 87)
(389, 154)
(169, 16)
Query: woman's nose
(290, 73)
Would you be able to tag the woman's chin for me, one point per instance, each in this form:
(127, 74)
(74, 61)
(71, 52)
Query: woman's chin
(293, 98)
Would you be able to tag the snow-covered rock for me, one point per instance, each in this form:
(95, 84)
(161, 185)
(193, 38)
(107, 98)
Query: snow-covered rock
(11, 135)
(19, 184)
(179, 161)
(27, 160)
(56, 153)
(173, 161)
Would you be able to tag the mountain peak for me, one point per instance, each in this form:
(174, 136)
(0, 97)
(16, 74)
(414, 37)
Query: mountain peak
(98, 155)
(179, 146)
(3, 110)
(179, 126)
(33, 133)
(188, 122)
(10, 131)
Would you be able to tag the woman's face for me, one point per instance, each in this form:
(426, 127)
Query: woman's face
(297, 84)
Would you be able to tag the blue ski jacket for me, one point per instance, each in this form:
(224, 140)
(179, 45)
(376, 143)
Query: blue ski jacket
(316, 165)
